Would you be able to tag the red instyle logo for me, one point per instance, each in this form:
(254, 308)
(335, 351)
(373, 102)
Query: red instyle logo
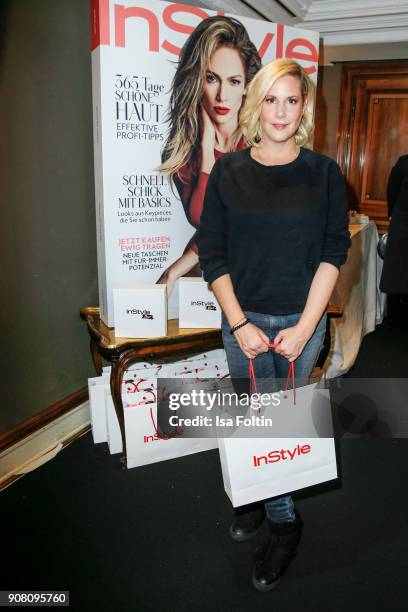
(178, 431)
(297, 48)
(151, 438)
(275, 456)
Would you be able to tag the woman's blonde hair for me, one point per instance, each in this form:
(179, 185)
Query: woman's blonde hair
(183, 139)
(258, 88)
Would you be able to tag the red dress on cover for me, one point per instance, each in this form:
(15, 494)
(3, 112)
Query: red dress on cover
(191, 185)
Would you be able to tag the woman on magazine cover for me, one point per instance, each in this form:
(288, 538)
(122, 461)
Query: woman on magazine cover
(216, 64)
(272, 237)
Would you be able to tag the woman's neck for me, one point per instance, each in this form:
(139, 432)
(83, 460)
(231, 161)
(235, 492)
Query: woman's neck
(271, 153)
(224, 134)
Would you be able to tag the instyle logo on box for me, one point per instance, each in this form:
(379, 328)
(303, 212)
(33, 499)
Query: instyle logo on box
(207, 305)
(145, 314)
(275, 456)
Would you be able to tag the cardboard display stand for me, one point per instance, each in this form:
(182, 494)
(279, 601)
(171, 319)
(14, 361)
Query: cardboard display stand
(142, 225)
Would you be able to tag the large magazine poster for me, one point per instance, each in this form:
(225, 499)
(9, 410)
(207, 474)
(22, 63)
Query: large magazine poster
(168, 83)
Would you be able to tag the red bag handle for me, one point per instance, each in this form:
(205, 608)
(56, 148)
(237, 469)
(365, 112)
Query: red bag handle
(291, 372)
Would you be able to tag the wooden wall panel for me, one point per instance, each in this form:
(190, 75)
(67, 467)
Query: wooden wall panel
(373, 132)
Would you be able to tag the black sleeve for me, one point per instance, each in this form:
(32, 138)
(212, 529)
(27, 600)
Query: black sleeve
(394, 185)
(212, 232)
(337, 237)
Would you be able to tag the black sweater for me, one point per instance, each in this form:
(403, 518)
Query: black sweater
(269, 227)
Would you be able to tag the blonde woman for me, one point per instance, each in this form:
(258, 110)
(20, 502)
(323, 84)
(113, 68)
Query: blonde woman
(272, 237)
(215, 66)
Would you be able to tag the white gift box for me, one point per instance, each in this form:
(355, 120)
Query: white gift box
(197, 304)
(140, 310)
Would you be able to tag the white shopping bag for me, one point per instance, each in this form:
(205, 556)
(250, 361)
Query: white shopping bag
(114, 437)
(139, 365)
(143, 444)
(105, 424)
(139, 388)
(212, 364)
(96, 390)
(199, 369)
(255, 469)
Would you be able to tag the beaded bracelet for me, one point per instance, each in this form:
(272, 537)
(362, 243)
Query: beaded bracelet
(239, 322)
(237, 326)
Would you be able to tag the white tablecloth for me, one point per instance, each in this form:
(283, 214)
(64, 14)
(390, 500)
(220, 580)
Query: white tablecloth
(358, 294)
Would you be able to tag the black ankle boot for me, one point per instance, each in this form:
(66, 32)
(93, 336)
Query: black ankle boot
(277, 553)
(247, 521)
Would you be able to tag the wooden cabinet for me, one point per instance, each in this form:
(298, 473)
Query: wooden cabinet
(373, 132)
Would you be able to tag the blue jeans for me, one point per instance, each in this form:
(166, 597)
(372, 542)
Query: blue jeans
(268, 367)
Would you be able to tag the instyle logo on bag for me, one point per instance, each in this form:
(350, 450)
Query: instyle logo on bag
(178, 431)
(274, 456)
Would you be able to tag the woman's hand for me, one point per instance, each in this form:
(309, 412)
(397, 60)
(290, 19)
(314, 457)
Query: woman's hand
(291, 341)
(168, 278)
(252, 340)
(208, 140)
(179, 268)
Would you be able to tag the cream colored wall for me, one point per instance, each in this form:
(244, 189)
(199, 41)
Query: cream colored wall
(364, 53)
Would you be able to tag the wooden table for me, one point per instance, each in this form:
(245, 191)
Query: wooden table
(123, 352)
